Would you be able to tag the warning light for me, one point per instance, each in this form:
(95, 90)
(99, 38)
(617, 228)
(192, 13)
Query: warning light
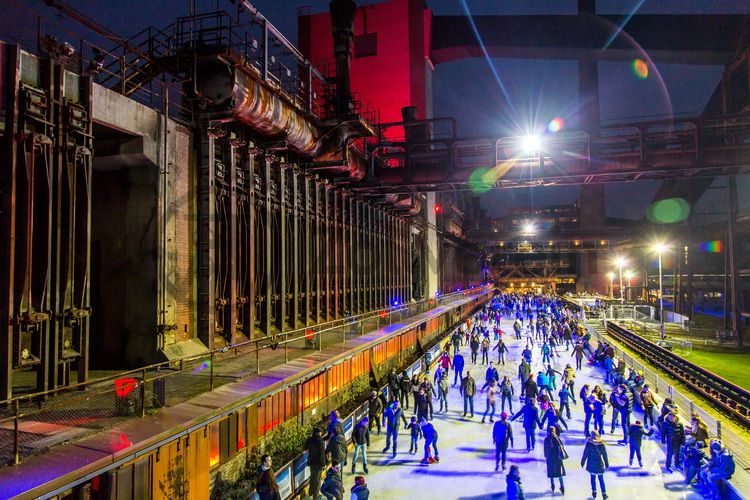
(438, 208)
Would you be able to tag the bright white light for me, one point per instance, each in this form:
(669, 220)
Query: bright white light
(621, 261)
(529, 228)
(629, 275)
(531, 144)
(660, 247)
(611, 276)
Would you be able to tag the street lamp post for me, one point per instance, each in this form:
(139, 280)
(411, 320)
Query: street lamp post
(660, 247)
(620, 263)
(628, 278)
(611, 277)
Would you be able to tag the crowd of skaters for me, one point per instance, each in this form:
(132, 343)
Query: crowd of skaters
(545, 328)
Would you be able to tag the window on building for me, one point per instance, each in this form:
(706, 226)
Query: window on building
(365, 45)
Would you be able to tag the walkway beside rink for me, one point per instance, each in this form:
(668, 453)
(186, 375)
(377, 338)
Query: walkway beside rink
(467, 455)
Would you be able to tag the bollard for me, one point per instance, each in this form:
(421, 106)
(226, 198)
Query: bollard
(143, 393)
(211, 372)
(286, 348)
(16, 457)
(257, 358)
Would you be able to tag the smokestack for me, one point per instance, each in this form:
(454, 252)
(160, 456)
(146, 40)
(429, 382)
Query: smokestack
(342, 21)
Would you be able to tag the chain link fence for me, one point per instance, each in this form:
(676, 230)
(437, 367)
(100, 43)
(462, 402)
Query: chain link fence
(686, 406)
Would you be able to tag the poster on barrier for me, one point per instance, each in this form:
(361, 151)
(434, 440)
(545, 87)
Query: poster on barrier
(301, 471)
(284, 480)
(360, 413)
(348, 427)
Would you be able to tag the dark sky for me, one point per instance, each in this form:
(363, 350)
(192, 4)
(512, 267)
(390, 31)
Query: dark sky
(467, 89)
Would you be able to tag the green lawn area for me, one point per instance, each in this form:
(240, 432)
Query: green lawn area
(732, 367)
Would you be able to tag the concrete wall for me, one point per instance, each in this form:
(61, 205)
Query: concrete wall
(144, 232)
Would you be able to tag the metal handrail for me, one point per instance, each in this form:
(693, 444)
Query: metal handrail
(259, 343)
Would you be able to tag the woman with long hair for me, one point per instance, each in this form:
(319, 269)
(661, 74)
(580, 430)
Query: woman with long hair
(596, 462)
(555, 454)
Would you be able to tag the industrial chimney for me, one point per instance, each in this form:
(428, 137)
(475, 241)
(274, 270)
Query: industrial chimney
(342, 22)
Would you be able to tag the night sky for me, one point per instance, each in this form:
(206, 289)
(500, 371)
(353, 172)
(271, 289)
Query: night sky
(467, 89)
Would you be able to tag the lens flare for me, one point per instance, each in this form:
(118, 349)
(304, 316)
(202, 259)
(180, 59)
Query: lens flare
(669, 211)
(556, 125)
(715, 246)
(479, 181)
(640, 69)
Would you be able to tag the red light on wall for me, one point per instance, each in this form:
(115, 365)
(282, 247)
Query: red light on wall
(438, 208)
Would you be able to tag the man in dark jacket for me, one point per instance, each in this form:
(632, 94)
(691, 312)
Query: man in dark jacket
(390, 417)
(316, 460)
(333, 486)
(502, 434)
(458, 368)
(405, 389)
(394, 385)
(675, 435)
(361, 439)
(636, 434)
(625, 404)
(374, 410)
(338, 448)
(530, 414)
(530, 389)
(468, 389)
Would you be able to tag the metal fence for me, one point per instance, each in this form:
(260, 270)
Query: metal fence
(32, 423)
(687, 406)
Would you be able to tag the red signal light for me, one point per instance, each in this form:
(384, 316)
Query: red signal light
(438, 208)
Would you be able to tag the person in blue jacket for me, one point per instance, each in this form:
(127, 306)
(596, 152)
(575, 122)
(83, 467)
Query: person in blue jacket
(430, 439)
(530, 414)
(458, 368)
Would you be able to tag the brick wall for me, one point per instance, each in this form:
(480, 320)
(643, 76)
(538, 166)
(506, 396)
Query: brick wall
(183, 234)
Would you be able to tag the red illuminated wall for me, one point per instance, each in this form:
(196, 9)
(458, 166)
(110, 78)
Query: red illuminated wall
(400, 73)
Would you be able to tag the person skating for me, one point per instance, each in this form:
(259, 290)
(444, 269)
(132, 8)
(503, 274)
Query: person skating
(337, 447)
(527, 354)
(565, 398)
(468, 390)
(474, 346)
(491, 393)
(421, 407)
(485, 350)
(647, 403)
(597, 413)
(361, 440)
(374, 411)
(502, 434)
(334, 422)
(530, 388)
(360, 491)
(553, 418)
(569, 378)
(524, 370)
(513, 488)
(443, 388)
(555, 455)
(501, 349)
(430, 435)
(416, 433)
(615, 405)
(316, 460)
(675, 436)
(579, 354)
(394, 385)
(429, 391)
(333, 486)
(625, 406)
(390, 418)
(489, 375)
(404, 390)
(458, 368)
(596, 462)
(506, 394)
(530, 415)
(636, 433)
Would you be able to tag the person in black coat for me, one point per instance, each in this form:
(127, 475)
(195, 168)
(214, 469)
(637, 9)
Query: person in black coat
(394, 385)
(674, 432)
(333, 486)
(265, 482)
(502, 434)
(555, 454)
(636, 434)
(316, 460)
(337, 447)
(374, 411)
(530, 414)
(596, 462)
